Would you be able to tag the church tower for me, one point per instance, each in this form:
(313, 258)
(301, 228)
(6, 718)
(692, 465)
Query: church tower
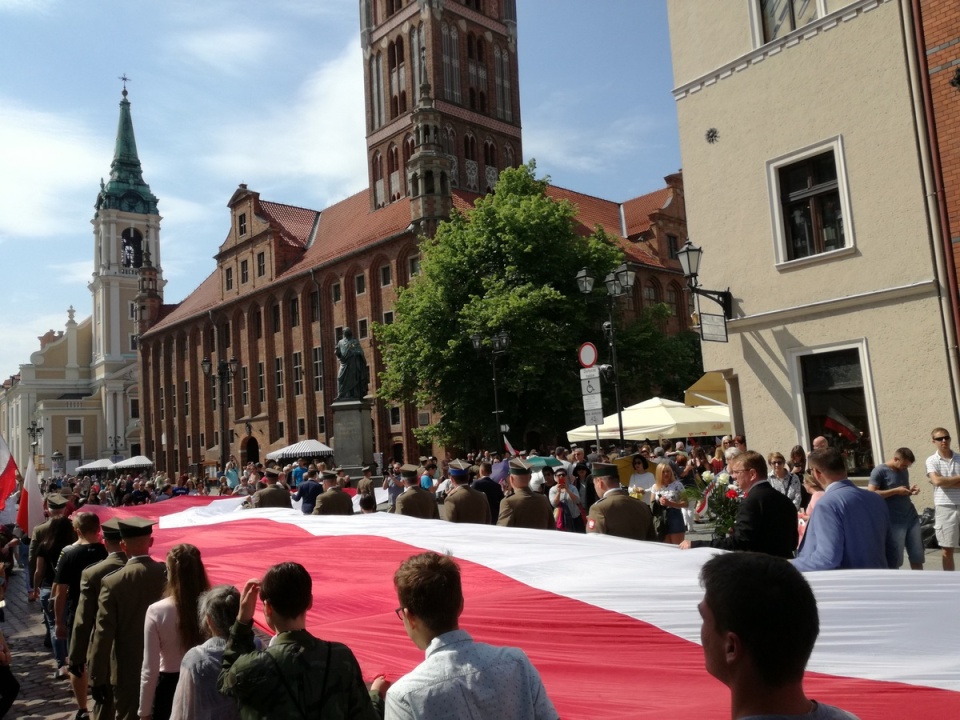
(448, 65)
(126, 225)
(126, 236)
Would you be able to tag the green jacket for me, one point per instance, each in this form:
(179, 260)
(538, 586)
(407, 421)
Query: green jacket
(297, 677)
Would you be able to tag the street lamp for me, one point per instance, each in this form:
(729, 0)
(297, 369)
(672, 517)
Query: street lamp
(689, 256)
(619, 283)
(57, 458)
(114, 441)
(499, 342)
(36, 433)
(225, 370)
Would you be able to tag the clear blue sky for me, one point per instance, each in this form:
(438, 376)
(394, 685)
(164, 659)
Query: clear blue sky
(270, 94)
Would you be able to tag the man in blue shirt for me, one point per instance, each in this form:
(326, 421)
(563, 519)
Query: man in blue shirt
(891, 481)
(299, 470)
(849, 528)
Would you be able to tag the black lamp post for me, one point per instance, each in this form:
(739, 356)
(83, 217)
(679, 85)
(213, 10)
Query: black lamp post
(36, 434)
(57, 459)
(500, 342)
(619, 283)
(224, 371)
(689, 256)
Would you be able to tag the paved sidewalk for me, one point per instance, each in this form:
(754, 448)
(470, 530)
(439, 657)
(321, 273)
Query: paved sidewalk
(40, 695)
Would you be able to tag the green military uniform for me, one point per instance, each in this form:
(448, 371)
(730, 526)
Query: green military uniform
(417, 502)
(616, 513)
(298, 676)
(272, 496)
(526, 509)
(333, 502)
(116, 650)
(466, 505)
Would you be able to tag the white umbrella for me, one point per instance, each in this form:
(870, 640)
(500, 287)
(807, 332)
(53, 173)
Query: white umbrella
(658, 418)
(138, 461)
(96, 465)
(304, 448)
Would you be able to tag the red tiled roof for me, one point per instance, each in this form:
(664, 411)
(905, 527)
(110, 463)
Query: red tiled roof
(638, 211)
(294, 223)
(350, 226)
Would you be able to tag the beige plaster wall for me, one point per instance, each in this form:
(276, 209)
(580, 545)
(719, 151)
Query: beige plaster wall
(850, 82)
(705, 34)
(906, 362)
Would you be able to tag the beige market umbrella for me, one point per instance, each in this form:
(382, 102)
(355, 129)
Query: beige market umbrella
(658, 418)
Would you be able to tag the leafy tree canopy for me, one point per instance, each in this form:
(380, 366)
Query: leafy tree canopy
(507, 264)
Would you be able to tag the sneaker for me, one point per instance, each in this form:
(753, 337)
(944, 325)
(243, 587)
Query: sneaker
(82, 715)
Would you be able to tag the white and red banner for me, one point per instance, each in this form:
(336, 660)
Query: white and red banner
(611, 624)
(30, 511)
(8, 473)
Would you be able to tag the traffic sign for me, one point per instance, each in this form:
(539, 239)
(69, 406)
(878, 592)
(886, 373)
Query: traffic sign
(590, 387)
(593, 402)
(593, 417)
(587, 354)
(590, 372)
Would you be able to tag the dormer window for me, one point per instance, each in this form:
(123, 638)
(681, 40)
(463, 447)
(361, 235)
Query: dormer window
(242, 224)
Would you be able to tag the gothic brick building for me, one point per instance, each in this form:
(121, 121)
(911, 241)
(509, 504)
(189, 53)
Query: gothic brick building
(443, 119)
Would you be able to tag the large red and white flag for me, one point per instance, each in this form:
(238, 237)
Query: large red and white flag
(8, 473)
(509, 447)
(30, 512)
(617, 615)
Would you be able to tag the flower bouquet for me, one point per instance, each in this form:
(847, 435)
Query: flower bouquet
(724, 503)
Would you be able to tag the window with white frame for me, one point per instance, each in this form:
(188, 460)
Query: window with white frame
(74, 426)
(832, 385)
(360, 283)
(317, 369)
(780, 17)
(388, 317)
(278, 377)
(386, 276)
(394, 416)
(298, 374)
(363, 329)
(810, 202)
(413, 265)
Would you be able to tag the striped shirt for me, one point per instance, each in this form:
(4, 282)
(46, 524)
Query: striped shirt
(945, 467)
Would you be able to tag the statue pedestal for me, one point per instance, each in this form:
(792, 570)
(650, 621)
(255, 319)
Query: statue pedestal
(352, 435)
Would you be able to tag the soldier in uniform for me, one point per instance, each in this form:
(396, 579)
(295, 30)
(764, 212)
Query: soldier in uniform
(272, 495)
(616, 513)
(463, 503)
(116, 651)
(56, 504)
(414, 500)
(525, 508)
(85, 618)
(365, 485)
(333, 500)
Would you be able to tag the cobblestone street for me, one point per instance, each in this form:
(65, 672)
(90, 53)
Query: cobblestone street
(41, 696)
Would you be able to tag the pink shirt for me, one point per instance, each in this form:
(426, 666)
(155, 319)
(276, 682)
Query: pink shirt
(162, 649)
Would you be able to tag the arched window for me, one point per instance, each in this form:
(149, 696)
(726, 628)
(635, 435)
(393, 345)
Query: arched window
(508, 155)
(469, 147)
(481, 51)
(399, 50)
(451, 62)
(501, 68)
(489, 153)
(472, 99)
(651, 292)
(471, 44)
(132, 248)
(376, 169)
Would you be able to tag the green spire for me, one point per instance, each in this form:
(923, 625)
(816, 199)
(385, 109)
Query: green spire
(126, 189)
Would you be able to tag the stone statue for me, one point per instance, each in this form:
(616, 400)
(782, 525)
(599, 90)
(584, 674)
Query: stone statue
(354, 375)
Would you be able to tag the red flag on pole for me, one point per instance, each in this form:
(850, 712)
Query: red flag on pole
(8, 473)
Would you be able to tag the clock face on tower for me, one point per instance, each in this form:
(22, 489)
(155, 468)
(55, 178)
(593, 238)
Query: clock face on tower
(132, 202)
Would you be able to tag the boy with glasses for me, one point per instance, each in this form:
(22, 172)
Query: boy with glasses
(943, 469)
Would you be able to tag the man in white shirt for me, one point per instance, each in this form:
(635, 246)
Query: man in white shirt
(943, 469)
(459, 678)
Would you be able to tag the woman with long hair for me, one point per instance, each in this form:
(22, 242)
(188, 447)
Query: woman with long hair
(667, 492)
(170, 629)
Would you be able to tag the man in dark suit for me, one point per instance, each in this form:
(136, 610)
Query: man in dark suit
(414, 500)
(489, 487)
(616, 513)
(272, 495)
(525, 508)
(85, 618)
(116, 651)
(463, 503)
(333, 500)
(308, 491)
(766, 520)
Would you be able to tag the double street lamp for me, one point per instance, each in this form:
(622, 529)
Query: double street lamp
(499, 342)
(619, 283)
(36, 434)
(224, 371)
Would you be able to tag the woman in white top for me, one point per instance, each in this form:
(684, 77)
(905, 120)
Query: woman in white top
(642, 479)
(170, 628)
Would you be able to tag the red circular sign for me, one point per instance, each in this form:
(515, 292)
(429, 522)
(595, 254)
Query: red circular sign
(587, 355)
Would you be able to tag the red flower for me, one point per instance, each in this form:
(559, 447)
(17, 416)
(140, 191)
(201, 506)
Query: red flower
(732, 494)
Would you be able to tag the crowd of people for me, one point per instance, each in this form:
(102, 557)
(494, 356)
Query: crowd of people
(194, 654)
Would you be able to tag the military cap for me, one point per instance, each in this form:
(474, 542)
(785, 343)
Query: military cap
(459, 468)
(111, 530)
(520, 467)
(408, 471)
(605, 470)
(133, 527)
(328, 475)
(56, 501)
(273, 472)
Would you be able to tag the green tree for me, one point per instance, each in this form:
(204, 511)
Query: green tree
(510, 263)
(507, 264)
